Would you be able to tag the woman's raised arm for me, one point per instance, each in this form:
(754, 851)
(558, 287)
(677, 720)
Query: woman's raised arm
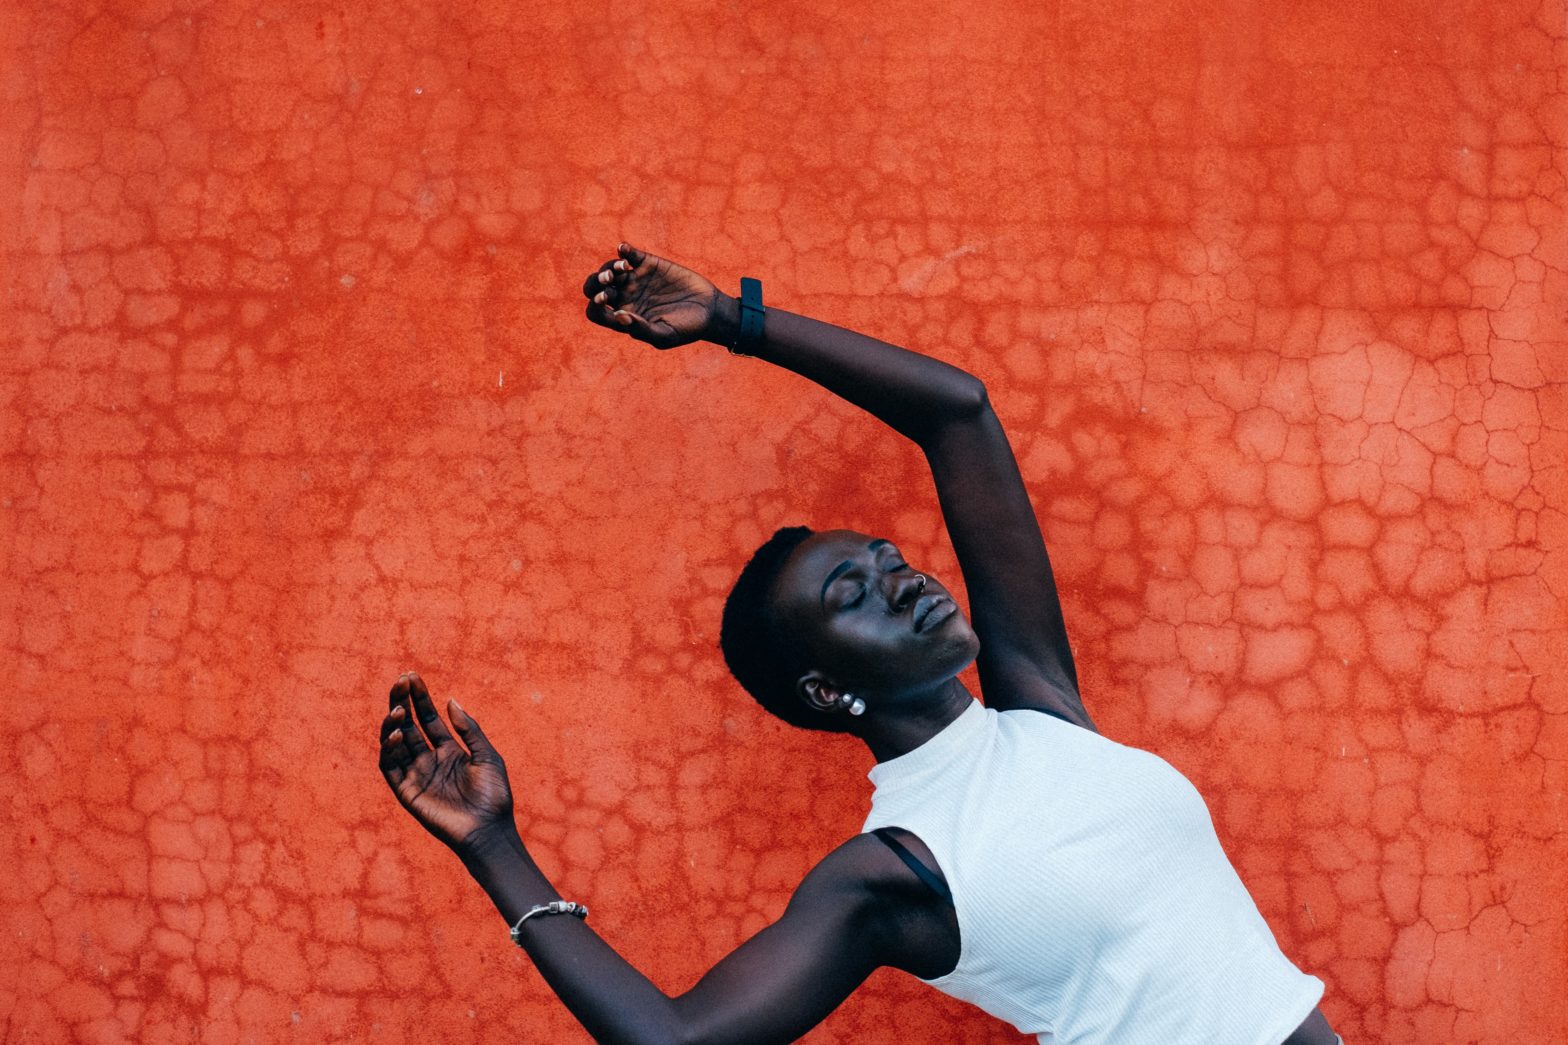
(1025, 660)
(773, 988)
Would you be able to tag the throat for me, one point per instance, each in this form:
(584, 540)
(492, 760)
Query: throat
(899, 730)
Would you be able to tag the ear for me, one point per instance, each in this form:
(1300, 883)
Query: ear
(818, 692)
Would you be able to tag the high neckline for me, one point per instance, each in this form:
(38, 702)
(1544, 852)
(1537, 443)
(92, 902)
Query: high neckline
(934, 752)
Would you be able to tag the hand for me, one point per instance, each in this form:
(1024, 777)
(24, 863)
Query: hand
(654, 300)
(457, 795)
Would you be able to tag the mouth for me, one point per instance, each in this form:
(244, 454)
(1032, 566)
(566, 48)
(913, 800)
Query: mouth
(931, 610)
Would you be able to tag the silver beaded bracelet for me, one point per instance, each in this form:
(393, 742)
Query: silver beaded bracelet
(553, 907)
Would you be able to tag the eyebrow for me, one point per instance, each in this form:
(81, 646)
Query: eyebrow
(841, 567)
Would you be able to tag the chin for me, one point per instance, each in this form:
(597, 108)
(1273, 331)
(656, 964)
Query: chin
(963, 646)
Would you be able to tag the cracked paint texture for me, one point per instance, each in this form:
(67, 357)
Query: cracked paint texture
(296, 393)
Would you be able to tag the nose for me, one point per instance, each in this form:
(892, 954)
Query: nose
(908, 590)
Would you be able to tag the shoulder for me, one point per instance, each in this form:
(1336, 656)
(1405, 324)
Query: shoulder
(864, 880)
(863, 869)
(908, 926)
(851, 890)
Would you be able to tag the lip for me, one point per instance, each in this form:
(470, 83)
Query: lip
(931, 610)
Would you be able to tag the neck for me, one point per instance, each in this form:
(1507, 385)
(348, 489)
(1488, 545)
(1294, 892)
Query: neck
(891, 735)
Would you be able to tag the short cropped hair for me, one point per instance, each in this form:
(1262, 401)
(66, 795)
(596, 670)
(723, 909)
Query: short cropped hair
(762, 655)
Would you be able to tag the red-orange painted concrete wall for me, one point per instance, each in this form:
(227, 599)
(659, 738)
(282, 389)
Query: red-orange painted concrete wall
(296, 393)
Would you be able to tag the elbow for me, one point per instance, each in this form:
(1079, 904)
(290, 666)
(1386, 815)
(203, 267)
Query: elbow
(979, 399)
(675, 1026)
(959, 405)
(971, 399)
(644, 1025)
(672, 1029)
(665, 1034)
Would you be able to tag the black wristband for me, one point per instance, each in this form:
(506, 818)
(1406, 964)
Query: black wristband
(749, 336)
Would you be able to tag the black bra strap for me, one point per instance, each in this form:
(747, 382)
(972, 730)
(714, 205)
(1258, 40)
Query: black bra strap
(921, 870)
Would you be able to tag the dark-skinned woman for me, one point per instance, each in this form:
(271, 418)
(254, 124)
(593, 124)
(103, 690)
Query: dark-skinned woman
(1012, 856)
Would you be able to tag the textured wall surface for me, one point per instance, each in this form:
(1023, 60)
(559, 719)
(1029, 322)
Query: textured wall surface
(296, 393)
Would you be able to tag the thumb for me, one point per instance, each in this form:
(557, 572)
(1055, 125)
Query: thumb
(631, 254)
(472, 736)
(637, 327)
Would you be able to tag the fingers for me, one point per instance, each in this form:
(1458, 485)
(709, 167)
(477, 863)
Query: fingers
(388, 722)
(596, 280)
(633, 324)
(478, 744)
(400, 737)
(622, 320)
(605, 316)
(399, 694)
(608, 280)
(610, 296)
(425, 710)
(606, 291)
(612, 275)
(394, 753)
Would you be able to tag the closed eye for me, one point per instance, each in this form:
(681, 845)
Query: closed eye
(861, 595)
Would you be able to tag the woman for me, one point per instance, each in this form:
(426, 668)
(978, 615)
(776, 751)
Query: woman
(1013, 858)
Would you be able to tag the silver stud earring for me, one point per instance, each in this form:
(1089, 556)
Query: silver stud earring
(856, 706)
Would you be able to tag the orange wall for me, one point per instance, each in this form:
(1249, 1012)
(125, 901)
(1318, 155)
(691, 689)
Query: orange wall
(296, 393)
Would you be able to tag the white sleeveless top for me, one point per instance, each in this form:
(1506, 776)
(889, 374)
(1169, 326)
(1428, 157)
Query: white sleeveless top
(1094, 902)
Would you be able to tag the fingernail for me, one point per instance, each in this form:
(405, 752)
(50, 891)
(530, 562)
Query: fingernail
(458, 706)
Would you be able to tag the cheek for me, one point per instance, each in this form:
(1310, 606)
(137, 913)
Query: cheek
(859, 649)
(875, 633)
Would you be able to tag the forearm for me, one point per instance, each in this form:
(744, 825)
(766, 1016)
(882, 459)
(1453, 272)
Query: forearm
(612, 1000)
(912, 393)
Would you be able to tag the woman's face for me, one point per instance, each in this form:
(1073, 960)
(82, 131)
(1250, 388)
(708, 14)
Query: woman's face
(865, 618)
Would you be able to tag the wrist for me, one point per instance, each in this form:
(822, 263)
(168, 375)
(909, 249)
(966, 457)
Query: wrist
(488, 844)
(723, 320)
(497, 859)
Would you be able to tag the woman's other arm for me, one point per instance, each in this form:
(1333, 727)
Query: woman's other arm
(773, 988)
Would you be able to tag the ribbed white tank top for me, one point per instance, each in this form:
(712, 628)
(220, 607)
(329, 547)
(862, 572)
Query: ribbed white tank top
(1094, 902)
